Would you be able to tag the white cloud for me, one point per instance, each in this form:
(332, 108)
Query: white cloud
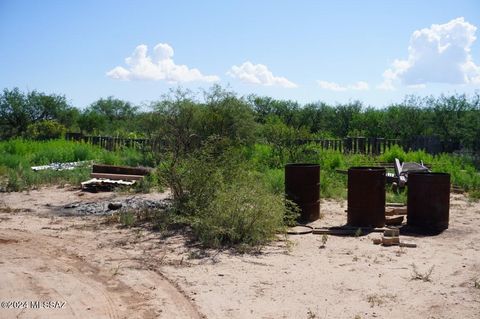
(439, 54)
(159, 66)
(332, 86)
(360, 86)
(258, 74)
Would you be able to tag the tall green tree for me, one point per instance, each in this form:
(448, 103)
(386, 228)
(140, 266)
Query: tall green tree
(18, 110)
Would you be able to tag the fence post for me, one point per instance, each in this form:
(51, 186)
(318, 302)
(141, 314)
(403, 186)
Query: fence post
(361, 145)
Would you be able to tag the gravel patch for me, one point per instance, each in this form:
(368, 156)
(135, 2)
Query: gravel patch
(108, 207)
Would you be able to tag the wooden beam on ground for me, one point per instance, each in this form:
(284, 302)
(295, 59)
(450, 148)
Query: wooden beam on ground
(396, 211)
(123, 170)
(394, 204)
(123, 177)
(346, 231)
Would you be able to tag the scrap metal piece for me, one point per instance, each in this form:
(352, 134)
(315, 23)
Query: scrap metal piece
(60, 166)
(96, 184)
(300, 230)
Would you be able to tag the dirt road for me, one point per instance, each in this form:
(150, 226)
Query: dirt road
(66, 267)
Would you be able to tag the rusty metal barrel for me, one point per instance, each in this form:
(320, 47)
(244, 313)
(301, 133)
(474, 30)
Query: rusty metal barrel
(302, 186)
(366, 196)
(428, 201)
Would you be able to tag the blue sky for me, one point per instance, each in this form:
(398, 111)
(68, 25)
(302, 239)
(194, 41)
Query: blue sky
(335, 51)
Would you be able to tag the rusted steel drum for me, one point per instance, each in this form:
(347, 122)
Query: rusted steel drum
(302, 186)
(366, 197)
(428, 201)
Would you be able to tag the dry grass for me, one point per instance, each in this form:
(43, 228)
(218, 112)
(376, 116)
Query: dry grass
(417, 275)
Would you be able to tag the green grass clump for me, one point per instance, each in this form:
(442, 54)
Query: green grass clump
(242, 214)
(274, 179)
(393, 152)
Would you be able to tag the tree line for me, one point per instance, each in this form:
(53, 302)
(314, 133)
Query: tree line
(453, 119)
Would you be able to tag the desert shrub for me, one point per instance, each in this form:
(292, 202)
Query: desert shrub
(82, 152)
(109, 158)
(45, 130)
(474, 195)
(418, 157)
(331, 160)
(261, 156)
(127, 218)
(222, 199)
(393, 152)
(274, 180)
(332, 184)
(146, 184)
(242, 213)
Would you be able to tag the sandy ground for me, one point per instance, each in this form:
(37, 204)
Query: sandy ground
(94, 269)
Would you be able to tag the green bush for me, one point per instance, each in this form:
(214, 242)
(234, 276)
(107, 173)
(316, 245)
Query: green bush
(275, 180)
(393, 152)
(222, 199)
(45, 130)
(242, 214)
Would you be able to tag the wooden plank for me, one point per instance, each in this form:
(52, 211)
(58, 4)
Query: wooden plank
(394, 204)
(346, 231)
(396, 211)
(341, 232)
(125, 170)
(123, 177)
(394, 221)
(409, 245)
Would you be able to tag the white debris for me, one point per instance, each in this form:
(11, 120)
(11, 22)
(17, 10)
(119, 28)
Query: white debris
(61, 166)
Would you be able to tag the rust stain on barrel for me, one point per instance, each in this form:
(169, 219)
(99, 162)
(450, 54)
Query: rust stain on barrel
(366, 196)
(428, 201)
(302, 186)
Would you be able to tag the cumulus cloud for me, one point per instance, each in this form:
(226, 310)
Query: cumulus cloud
(258, 74)
(156, 67)
(332, 86)
(439, 54)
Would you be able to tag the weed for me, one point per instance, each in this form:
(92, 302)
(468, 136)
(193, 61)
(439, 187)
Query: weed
(127, 218)
(358, 232)
(378, 300)
(311, 314)
(401, 251)
(289, 245)
(116, 270)
(196, 254)
(324, 240)
(476, 284)
(417, 275)
(474, 195)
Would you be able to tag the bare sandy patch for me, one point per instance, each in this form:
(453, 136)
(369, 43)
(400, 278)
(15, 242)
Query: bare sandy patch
(103, 271)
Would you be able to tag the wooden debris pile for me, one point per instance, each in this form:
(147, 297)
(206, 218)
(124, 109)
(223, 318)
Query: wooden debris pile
(106, 177)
